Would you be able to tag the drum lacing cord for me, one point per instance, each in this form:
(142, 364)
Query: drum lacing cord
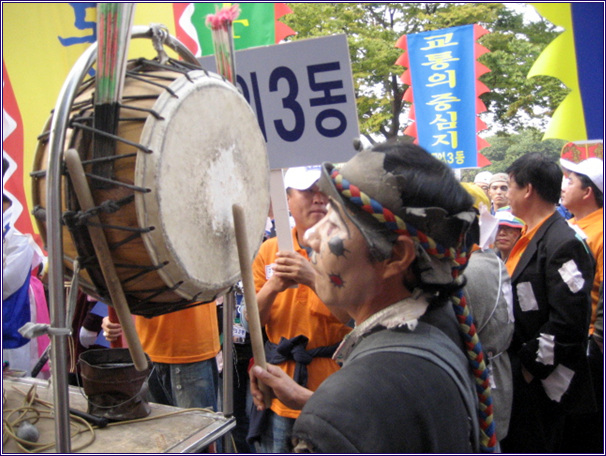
(92, 161)
(144, 270)
(138, 109)
(124, 107)
(136, 188)
(96, 131)
(79, 218)
(154, 309)
(42, 173)
(74, 219)
(147, 80)
(88, 104)
(158, 291)
(175, 65)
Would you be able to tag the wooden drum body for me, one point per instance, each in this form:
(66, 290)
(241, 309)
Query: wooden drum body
(188, 147)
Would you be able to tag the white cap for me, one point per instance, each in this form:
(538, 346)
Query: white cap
(302, 177)
(592, 167)
(483, 177)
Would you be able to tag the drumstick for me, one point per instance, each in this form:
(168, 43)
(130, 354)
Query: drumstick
(85, 198)
(250, 296)
(113, 317)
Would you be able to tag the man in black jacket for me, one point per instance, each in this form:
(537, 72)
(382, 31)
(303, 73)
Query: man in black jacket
(551, 273)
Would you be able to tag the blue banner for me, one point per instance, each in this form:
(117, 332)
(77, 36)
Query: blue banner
(443, 80)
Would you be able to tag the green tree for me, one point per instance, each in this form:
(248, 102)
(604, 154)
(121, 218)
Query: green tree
(373, 29)
(505, 149)
(514, 100)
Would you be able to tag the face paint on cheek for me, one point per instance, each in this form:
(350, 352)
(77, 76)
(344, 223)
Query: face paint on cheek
(337, 246)
(336, 280)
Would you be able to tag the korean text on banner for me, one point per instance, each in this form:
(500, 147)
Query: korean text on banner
(442, 73)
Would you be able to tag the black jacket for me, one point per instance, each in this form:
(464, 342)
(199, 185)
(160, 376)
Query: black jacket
(552, 306)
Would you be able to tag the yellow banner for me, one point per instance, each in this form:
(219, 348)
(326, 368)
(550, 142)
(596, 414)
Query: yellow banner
(41, 43)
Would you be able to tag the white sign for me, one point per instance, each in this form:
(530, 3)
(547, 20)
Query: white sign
(302, 93)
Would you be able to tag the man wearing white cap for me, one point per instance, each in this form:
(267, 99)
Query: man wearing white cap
(583, 196)
(482, 180)
(302, 332)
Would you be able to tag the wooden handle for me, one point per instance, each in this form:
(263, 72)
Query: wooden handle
(250, 297)
(85, 198)
(113, 317)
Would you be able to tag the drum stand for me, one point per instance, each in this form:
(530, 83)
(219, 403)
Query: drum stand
(229, 305)
(59, 329)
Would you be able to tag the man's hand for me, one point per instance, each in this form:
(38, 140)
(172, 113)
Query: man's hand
(292, 266)
(289, 392)
(288, 270)
(111, 331)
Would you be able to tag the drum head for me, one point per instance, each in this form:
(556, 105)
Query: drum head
(207, 153)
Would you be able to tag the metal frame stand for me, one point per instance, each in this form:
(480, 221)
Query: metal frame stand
(229, 306)
(59, 350)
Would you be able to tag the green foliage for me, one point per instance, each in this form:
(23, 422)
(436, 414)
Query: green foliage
(505, 149)
(514, 99)
(371, 38)
(373, 29)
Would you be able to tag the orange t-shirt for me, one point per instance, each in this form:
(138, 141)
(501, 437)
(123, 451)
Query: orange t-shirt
(593, 227)
(181, 337)
(297, 311)
(520, 247)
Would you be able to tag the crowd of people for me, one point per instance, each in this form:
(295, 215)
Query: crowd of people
(400, 324)
(535, 294)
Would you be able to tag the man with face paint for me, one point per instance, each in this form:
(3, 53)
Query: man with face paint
(391, 252)
(302, 332)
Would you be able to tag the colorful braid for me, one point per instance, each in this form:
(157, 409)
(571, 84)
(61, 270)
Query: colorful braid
(458, 259)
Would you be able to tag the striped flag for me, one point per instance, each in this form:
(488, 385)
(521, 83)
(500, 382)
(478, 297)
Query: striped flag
(576, 57)
(257, 25)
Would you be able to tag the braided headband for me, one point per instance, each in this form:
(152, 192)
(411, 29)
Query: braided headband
(395, 223)
(458, 259)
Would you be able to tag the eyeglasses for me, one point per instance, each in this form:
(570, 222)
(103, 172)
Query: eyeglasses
(503, 188)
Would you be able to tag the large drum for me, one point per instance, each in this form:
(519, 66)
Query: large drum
(188, 146)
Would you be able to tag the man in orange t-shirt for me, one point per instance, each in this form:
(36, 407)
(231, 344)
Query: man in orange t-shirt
(583, 196)
(298, 325)
(551, 273)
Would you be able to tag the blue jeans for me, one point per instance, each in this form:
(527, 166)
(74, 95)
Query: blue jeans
(276, 436)
(191, 385)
